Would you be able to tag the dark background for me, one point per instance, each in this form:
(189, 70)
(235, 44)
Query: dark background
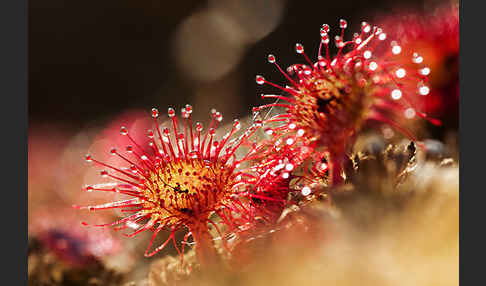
(90, 60)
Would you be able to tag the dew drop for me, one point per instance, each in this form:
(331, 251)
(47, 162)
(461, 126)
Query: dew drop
(322, 167)
(260, 79)
(184, 113)
(343, 24)
(367, 54)
(396, 94)
(123, 130)
(299, 48)
(104, 173)
(129, 149)
(365, 27)
(171, 112)
(188, 108)
(425, 71)
(373, 66)
(236, 124)
(424, 90)
(338, 41)
(400, 73)
(325, 39)
(323, 32)
(271, 58)
(193, 154)
(155, 112)
(306, 191)
(218, 116)
(409, 113)
(325, 27)
(396, 49)
(89, 158)
(199, 127)
(113, 151)
(417, 59)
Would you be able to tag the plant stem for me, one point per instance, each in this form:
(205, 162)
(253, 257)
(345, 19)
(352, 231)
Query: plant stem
(205, 251)
(336, 169)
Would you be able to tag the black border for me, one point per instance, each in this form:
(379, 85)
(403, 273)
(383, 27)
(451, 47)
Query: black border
(472, 65)
(13, 126)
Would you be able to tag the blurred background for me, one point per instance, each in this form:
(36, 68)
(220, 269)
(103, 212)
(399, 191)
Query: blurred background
(91, 60)
(97, 65)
